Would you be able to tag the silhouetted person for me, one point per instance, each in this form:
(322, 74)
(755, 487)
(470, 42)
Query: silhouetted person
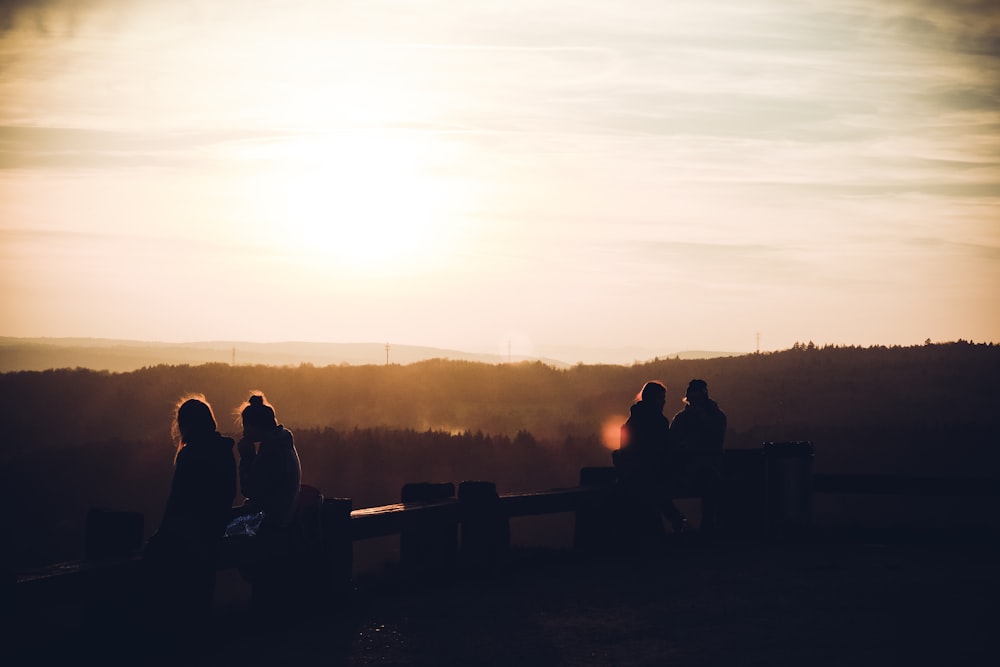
(270, 472)
(642, 458)
(697, 436)
(179, 560)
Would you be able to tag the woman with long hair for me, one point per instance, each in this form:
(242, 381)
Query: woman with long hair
(180, 558)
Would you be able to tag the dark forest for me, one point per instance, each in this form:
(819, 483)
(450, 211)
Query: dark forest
(77, 438)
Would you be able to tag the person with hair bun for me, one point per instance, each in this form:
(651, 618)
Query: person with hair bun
(270, 471)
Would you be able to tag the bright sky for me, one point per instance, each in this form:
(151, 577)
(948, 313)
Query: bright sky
(556, 175)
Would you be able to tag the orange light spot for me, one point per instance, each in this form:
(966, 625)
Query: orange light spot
(611, 431)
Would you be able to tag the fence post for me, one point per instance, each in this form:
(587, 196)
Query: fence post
(789, 487)
(742, 497)
(485, 527)
(594, 528)
(428, 546)
(337, 548)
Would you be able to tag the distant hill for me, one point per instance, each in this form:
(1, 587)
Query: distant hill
(77, 438)
(120, 356)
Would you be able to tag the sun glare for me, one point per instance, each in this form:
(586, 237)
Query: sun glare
(360, 201)
(611, 431)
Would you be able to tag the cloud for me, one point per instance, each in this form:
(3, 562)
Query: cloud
(42, 16)
(969, 26)
(10, 9)
(38, 147)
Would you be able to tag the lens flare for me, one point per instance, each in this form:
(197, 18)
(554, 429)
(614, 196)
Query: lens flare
(611, 431)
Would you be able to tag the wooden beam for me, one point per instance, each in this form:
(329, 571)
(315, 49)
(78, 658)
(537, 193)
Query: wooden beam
(392, 519)
(552, 501)
(906, 486)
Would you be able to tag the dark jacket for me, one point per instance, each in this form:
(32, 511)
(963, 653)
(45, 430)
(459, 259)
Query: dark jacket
(201, 499)
(644, 438)
(270, 477)
(699, 432)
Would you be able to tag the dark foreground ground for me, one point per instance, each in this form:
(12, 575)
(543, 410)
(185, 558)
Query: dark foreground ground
(677, 603)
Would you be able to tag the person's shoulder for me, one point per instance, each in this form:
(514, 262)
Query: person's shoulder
(222, 451)
(283, 435)
(224, 444)
(184, 455)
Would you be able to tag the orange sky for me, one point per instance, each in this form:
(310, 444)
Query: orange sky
(562, 177)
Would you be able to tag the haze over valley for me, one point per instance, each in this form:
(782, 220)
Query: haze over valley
(18, 354)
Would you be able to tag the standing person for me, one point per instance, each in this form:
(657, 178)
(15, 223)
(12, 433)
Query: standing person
(179, 560)
(644, 453)
(270, 472)
(697, 436)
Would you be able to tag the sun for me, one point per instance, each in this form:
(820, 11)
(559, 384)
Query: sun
(367, 201)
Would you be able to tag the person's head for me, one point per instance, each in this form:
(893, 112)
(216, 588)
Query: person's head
(257, 415)
(193, 419)
(697, 390)
(654, 392)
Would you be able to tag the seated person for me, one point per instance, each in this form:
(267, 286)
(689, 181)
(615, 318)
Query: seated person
(696, 439)
(642, 459)
(179, 560)
(270, 472)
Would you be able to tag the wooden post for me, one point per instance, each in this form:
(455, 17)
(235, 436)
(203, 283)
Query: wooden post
(594, 528)
(789, 488)
(742, 498)
(485, 527)
(428, 545)
(337, 545)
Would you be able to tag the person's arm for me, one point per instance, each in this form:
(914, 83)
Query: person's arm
(723, 425)
(248, 481)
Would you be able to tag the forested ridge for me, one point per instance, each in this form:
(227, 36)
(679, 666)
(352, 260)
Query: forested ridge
(77, 438)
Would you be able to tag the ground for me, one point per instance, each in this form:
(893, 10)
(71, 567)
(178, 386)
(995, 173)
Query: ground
(674, 602)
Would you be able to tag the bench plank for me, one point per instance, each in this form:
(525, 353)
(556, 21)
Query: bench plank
(386, 520)
(552, 501)
(908, 486)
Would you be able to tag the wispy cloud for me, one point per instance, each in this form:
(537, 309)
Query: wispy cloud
(24, 147)
(744, 153)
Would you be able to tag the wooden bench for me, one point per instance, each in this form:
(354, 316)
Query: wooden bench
(437, 527)
(114, 541)
(400, 518)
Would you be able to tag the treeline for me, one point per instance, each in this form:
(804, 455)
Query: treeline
(837, 396)
(76, 438)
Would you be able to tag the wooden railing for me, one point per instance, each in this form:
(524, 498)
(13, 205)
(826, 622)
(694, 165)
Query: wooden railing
(438, 527)
(897, 485)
